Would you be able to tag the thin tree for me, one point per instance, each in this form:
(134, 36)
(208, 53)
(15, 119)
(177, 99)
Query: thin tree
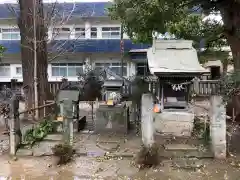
(39, 17)
(34, 21)
(29, 33)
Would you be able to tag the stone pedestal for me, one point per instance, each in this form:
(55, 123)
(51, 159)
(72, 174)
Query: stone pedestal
(218, 127)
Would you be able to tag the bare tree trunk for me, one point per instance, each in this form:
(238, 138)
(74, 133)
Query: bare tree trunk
(231, 19)
(25, 23)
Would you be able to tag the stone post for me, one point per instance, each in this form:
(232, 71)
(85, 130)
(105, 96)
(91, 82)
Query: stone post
(68, 122)
(13, 84)
(15, 132)
(147, 120)
(218, 127)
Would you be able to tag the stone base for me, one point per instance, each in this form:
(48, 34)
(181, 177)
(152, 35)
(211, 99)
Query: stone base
(219, 150)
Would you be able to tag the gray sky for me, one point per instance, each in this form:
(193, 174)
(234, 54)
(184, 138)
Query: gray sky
(14, 1)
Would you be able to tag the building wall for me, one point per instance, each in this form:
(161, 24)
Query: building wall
(12, 62)
(15, 65)
(72, 25)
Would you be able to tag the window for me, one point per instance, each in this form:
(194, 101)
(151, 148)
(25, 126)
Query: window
(5, 70)
(11, 34)
(111, 32)
(93, 32)
(101, 66)
(19, 70)
(142, 69)
(61, 33)
(79, 33)
(69, 69)
(115, 67)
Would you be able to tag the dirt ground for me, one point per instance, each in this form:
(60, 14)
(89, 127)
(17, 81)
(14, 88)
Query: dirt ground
(99, 168)
(91, 168)
(86, 168)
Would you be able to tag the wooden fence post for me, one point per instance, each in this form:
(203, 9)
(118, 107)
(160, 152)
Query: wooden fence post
(15, 132)
(68, 122)
(44, 109)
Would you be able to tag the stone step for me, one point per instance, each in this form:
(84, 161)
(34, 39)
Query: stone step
(184, 151)
(53, 137)
(180, 147)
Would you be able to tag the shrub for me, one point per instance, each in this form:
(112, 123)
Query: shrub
(148, 157)
(64, 152)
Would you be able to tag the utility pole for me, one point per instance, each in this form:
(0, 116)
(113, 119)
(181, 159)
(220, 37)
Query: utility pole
(35, 60)
(122, 50)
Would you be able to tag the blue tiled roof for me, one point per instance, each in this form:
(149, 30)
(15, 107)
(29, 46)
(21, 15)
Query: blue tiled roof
(81, 9)
(87, 46)
(12, 47)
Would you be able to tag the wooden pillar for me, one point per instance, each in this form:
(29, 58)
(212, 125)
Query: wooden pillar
(15, 132)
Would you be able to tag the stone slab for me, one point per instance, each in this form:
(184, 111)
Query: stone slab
(53, 137)
(193, 163)
(24, 152)
(121, 155)
(110, 147)
(94, 151)
(185, 154)
(181, 147)
(80, 149)
(44, 148)
(126, 169)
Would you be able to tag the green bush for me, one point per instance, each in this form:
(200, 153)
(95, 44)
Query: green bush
(202, 130)
(39, 132)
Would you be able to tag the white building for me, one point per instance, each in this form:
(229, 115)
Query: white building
(88, 35)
